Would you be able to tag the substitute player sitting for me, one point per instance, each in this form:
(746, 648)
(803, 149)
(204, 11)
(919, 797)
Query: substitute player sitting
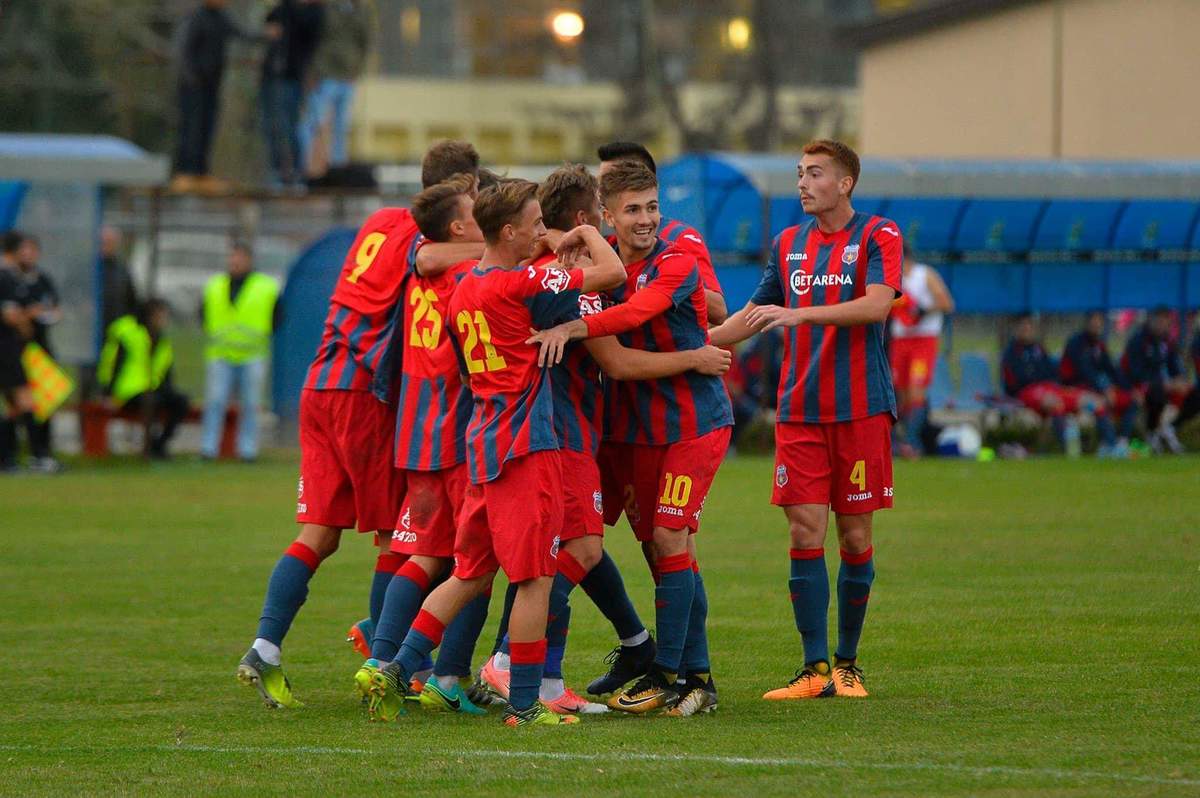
(829, 283)
(513, 512)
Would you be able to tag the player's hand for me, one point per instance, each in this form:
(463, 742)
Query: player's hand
(574, 244)
(713, 360)
(553, 342)
(768, 317)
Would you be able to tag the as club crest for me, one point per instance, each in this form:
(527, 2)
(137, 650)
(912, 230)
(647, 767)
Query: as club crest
(555, 280)
(781, 476)
(641, 281)
(554, 547)
(850, 254)
(598, 498)
(300, 488)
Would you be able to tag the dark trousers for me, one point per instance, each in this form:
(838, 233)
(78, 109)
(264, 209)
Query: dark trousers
(198, 103)
(163, 409)
(280, 101)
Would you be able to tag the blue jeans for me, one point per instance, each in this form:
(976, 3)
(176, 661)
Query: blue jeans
(279, 102)
(220, 376)
(329, 95)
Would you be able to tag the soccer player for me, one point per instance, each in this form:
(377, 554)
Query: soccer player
(433, 409)
(570, 197)
(829, 283)
(1153, 367)
(1031, 377)
(684, 237)
(346, 426)
(513, 512)
(664, 438)
(916, 328)
(1086, 364)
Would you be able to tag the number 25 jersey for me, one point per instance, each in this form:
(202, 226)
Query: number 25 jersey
(491, 315)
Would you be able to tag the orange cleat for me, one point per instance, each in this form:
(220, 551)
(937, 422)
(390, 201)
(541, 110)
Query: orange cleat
(571, 703)
(848, 680)
(496, 679)
(359, 637)
(812, 682)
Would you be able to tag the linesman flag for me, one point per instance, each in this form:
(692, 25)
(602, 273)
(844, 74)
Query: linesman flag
(48, 382)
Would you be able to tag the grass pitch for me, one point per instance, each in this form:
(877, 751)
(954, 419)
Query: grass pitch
(1034, 630)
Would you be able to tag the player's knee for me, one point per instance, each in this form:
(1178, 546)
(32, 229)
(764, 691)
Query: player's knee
(854, 533)
(323, 540)
(668, 542)
(805, 534)
(586, 550)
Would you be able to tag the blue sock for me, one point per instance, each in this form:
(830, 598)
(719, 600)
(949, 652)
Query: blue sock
(914, 424)
(401, 603)
(695, 649)
(854, 590)
(605, 587)
(673, 606)
(423, 637)
(286, 591)
(525, 675)
(809, 588)
(458, 644)
(386, 565)
(556, 643)
(510, 595)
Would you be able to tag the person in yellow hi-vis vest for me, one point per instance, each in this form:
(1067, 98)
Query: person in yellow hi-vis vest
(240, 314)
(135, 371)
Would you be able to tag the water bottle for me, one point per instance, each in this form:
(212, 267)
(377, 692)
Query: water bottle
(1071, 439)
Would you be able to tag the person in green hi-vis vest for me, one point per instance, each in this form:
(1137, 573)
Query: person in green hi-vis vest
(240, 313)
(135, 371)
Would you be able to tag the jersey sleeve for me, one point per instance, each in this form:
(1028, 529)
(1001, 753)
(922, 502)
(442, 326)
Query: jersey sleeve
(677, 277)
(689, 241)
(551, 294)
(885, 256)
(770, 291)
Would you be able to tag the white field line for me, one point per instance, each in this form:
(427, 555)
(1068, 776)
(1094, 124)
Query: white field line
(617, 757)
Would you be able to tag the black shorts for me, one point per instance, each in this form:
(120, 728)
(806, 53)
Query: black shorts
(12, 373)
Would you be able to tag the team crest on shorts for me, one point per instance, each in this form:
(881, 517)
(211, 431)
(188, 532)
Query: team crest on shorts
(850, 254)
(300, 488)
(781, 477)
(598, 498)
(554, 547)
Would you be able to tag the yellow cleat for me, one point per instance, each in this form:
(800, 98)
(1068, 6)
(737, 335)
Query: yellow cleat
(848, 680)
(653, 691)
(812, 682)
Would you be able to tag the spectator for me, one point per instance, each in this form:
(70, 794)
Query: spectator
(118, 297)
(39, 298)
(294, 27)
(135, 373)
(240, 312)
(1154, 369)
(1086, 364)
(338, 63)
(1030, 376)
(916, 330)
(202, 66)
(15, 329)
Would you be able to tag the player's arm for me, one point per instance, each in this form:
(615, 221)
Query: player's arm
(605, 270)
(432, 258)
(734, 329)
(641, 307)
(942, 301)
(624, 363)
(717, 310)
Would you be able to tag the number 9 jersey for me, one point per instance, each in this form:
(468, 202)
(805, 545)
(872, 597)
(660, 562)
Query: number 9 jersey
(491, 314)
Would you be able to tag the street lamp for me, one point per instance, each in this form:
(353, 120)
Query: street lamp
(567, 25)
(737, 33)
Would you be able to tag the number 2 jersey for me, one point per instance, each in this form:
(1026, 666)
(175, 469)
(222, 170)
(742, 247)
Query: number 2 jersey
(832, 374)
(433, 405)
(491, 316)
(357, 342)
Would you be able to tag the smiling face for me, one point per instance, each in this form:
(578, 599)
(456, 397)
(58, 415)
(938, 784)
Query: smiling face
(464, 228)
(521, 234)
(635, 217)
(823, 183)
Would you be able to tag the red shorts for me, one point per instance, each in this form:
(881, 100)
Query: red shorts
(346, 473)
(430, 512)
(846, 465)
(1034, 397)
(583, 507)
(513, 522)
(674, 480)
(913, 361)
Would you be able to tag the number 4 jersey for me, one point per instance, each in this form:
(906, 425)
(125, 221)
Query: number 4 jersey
(358, 329)
(491, 315)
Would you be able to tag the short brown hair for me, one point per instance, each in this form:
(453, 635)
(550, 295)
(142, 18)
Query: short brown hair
(502, 204)
(446, 159)
(841, 154)
(437, 206)
(568, 189)
(627, 176)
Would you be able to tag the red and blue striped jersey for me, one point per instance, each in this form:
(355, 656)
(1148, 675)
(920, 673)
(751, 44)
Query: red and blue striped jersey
(491, 314)
(832, 373)
(357, 342)
(578, 394)
(687, 239)
(669, 409)
(433, 405)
